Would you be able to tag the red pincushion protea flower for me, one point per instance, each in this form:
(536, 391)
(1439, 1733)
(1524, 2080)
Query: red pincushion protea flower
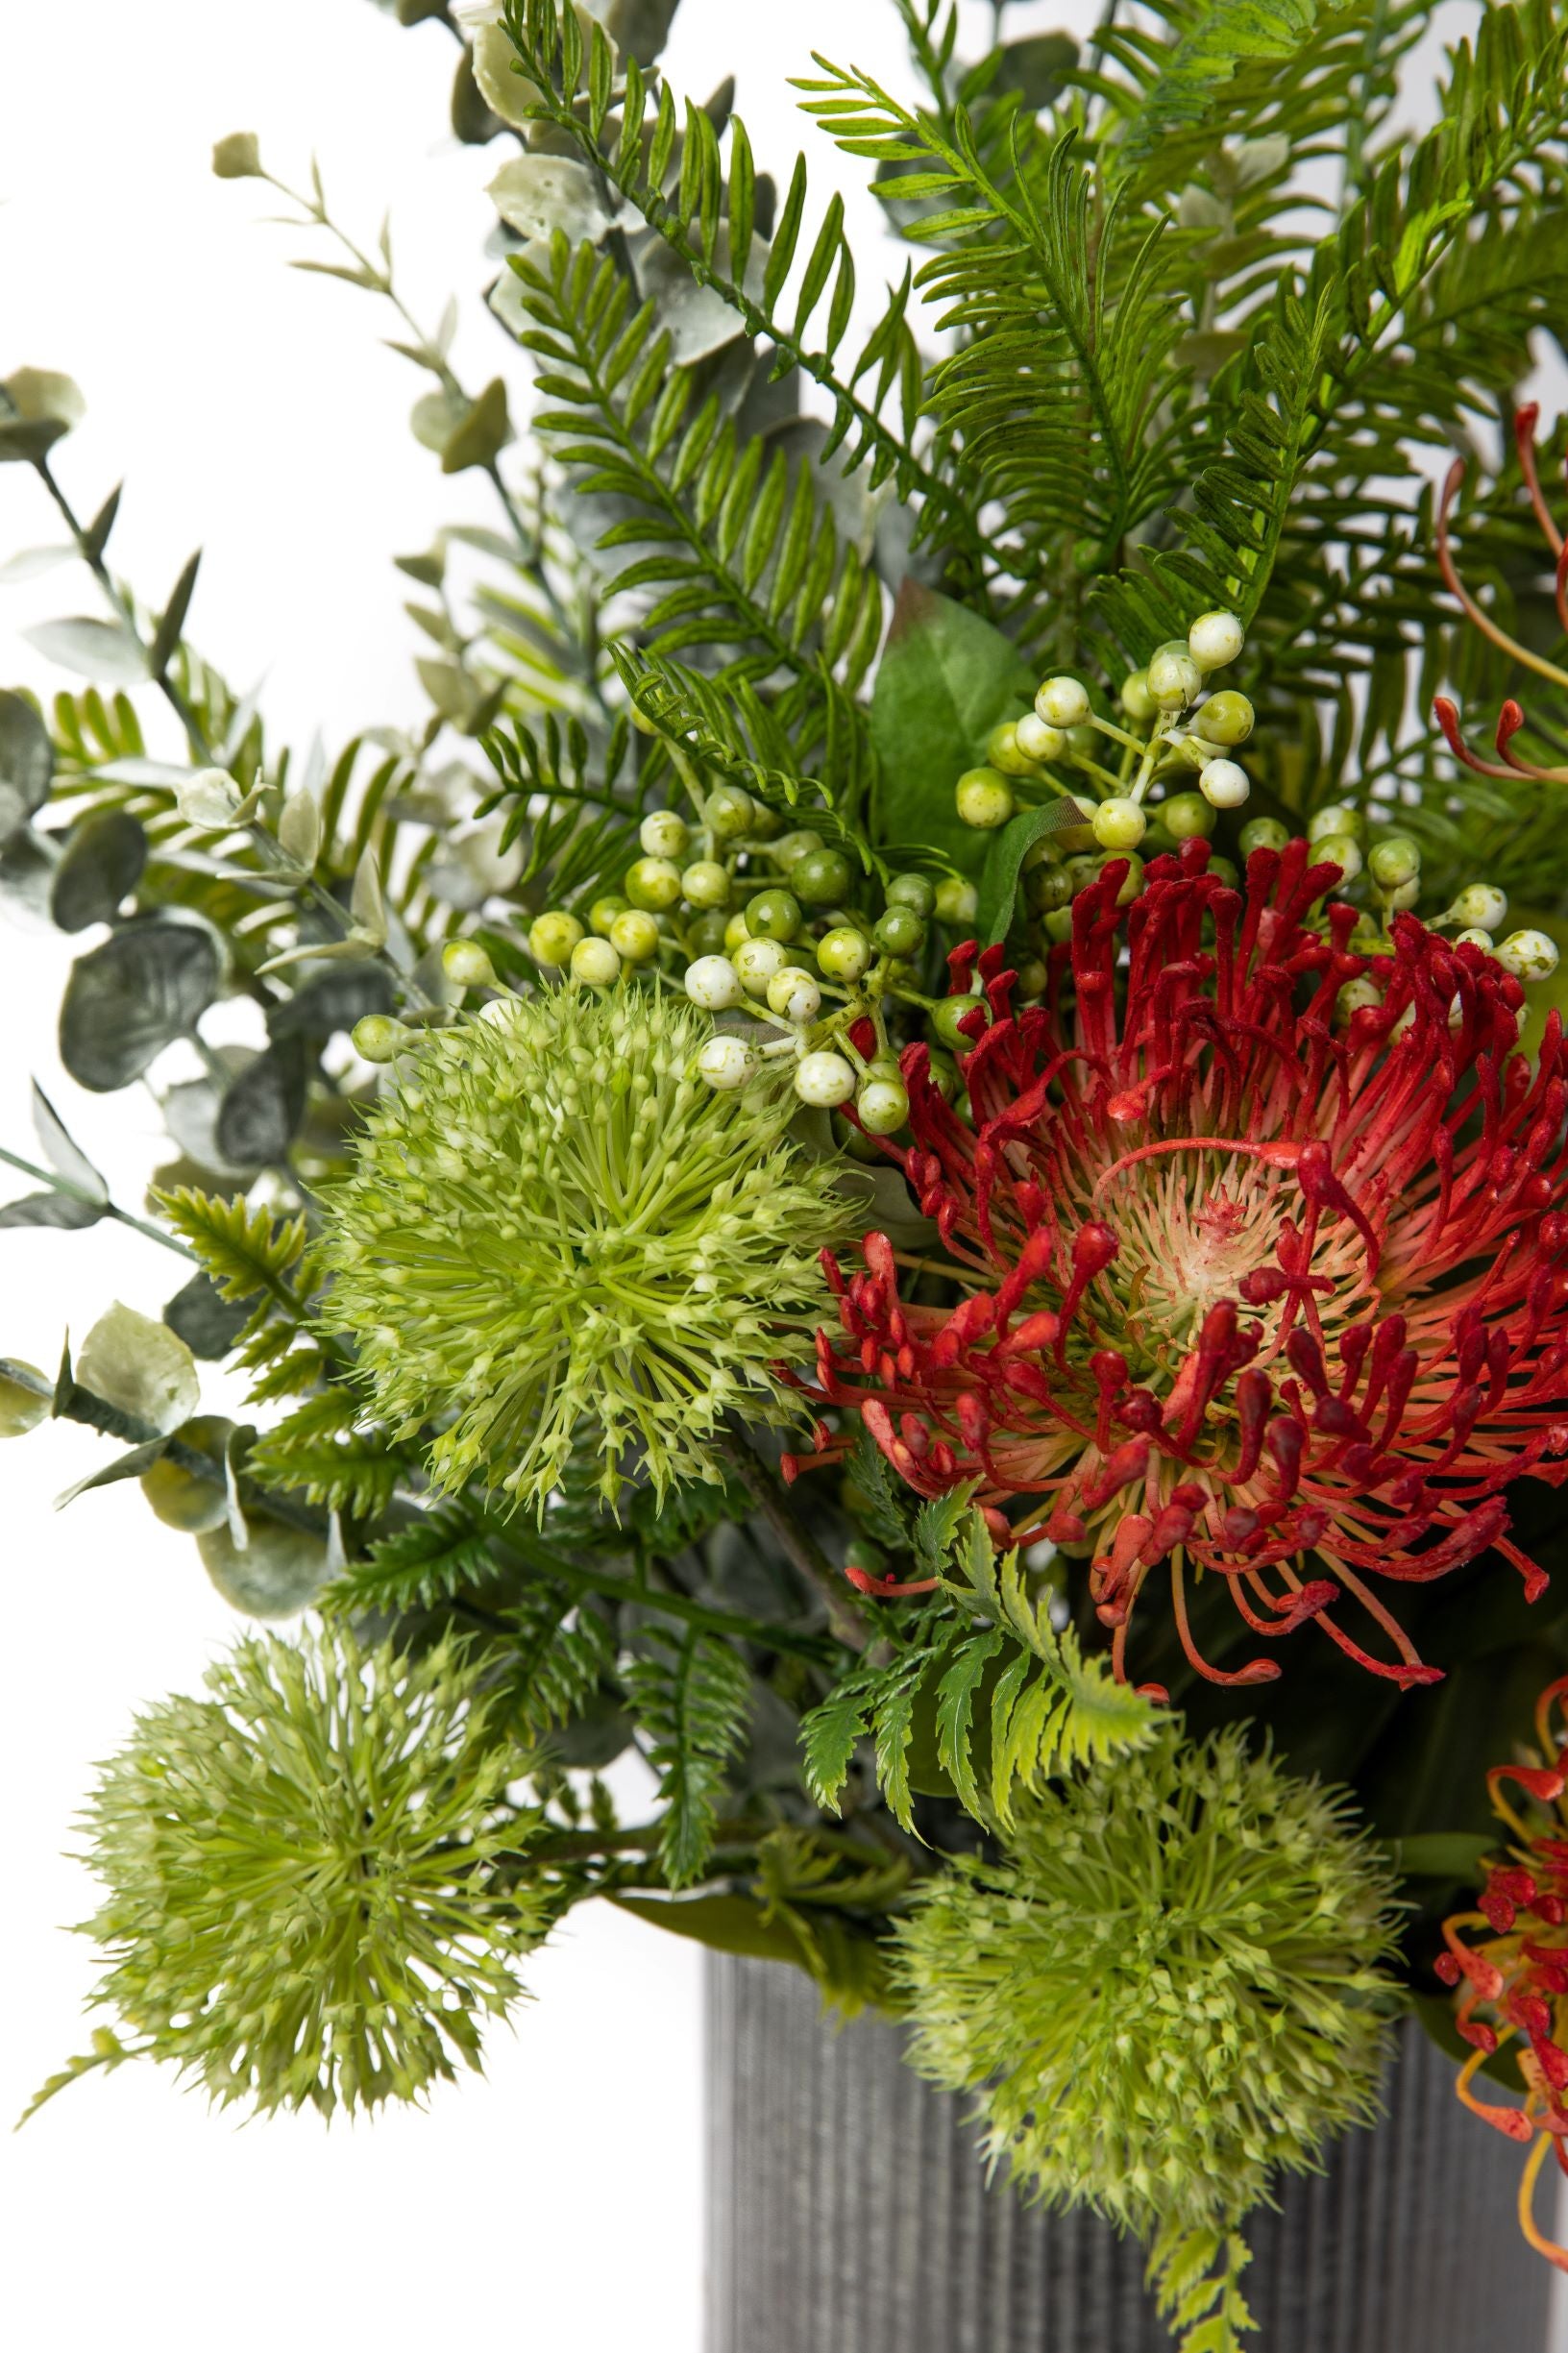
(1518, 1974)
(1243, 1286)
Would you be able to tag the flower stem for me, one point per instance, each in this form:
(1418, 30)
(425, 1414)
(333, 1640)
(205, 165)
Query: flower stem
(801, 1547)
(107, 1209)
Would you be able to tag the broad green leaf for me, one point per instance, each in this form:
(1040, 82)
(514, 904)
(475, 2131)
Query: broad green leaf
(60, 1149)
(277, 1573)
(140, 1366)
(124, 1002)
(537, 195)
(946, 679)
(26, 763)
(103, 863)
(1006, 854)
(97, 649)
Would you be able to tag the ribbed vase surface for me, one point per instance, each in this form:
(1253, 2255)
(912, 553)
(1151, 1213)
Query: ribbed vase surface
(847, 2212)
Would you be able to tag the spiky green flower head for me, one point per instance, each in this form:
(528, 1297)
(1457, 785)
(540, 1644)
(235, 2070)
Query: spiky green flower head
(301, 1906)
(555, 1220)
(1171, 1987)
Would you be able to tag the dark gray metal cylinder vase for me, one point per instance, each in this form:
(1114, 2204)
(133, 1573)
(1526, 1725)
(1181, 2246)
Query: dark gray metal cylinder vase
(847, 2212)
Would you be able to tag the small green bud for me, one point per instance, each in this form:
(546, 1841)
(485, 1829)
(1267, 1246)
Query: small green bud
(843, 954)
(238, 157)
(1216, 639)
(792, 993)
(773, 915)
(1032, 976)
(662, 834)
(635, 937)
(1475, 938)
(1394, 860)
(1225, 718)
(378, 1038)
(603, 912)
(1119, 823)
(1003, 750)
(1137, 702)
(726, 1061)
(883, 1105)
(1046, 887)
(947, 1015)
(1224, 785)
(1223, 870)
(1173, 678)
(705, 884)
(729, 812)
(1354, 996)
(654, 884)
(466, 964)
(915, 891)
(1062, 702)
(984, 800)
(552, 937)
(943, 1073)
(1482, 904)
(756, 961)
(713, 983)
(958, 901)
(1038, 742)
(824, 1080)
(596, 964)
(791, 848)
(820, 877)
(1263, 833)
(1345, 852)
(1529, 955)
(1187, 815)
(736, 929)
(706, 934)
(1337, 818)
(899, 932)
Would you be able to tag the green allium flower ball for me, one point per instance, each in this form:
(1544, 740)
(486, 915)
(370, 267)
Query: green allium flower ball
(553, 1217)
(299, 1909)
(1171, 1987)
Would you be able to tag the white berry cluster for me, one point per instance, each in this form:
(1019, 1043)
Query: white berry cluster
(1184, 727)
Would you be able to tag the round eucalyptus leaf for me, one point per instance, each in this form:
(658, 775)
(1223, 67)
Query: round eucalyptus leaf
(140, 1366)
(506, 92)
(278, 1573)
(208, 1325)
(262, 1109)
(98, 650)
(38, 407)
(26, 763)
(184, 1499)
(22, 1408)
(130, 998)
(102, 866)
(538, 194)
(435, 417)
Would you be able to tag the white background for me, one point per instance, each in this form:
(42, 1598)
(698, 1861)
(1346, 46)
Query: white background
(555, 2205)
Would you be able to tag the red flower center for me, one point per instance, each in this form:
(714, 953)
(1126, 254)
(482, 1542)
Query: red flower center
(1244, 1282)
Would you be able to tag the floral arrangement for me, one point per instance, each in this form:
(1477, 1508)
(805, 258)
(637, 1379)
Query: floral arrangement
(909, 1169)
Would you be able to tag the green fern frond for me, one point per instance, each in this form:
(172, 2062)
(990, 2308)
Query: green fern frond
(1195, 2275)
(248, 1253)
(690, 1695)
(671, 170)
(434, 1558)
(320, 1450)
(558, 1658)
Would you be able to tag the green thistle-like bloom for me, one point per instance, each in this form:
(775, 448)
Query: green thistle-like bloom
(553, 1219)
(1171, 1987)
(299, 1906)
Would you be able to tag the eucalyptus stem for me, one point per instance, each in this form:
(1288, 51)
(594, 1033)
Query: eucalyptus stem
(106, 1209)
(799, 1547)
